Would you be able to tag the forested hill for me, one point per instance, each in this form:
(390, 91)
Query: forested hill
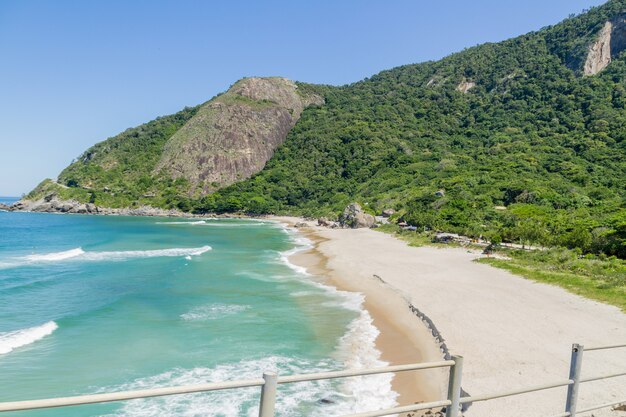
(522, 139)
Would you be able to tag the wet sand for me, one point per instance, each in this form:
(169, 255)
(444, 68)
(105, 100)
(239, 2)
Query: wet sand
(403, 337)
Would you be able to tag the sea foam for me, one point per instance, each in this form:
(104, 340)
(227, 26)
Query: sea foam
(213, 311)
(18, 338)
(339, 397)
(219, 223)
(80, 255)
(188, 223)
(302, 244)
(301, 399)
(356, 348)
(55, 256)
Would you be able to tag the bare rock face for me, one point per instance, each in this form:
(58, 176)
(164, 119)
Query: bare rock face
(599, 55)
(354, 217)
(465, 85)
(52, 204)
(611, 41)
(388, 212)
(232, 136)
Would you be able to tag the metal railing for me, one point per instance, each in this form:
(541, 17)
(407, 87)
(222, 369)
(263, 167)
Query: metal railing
(270, 381)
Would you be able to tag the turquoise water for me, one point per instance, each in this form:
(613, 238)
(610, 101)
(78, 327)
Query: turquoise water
(91, 303)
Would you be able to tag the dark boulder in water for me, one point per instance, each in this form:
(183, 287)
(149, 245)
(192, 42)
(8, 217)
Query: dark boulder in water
(325, 401)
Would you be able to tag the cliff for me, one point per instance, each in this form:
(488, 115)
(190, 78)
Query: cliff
(610, 42)
(231, 137)
(185, 155)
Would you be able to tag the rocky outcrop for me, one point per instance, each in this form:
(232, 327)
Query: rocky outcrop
(354, 217)
(232, 136)
(388, 212)
(324, 222)
(610, 42)
(599, 55)
(51, 204)
(465, 85)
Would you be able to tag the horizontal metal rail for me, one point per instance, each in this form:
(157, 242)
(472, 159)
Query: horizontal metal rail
(510, 393)
(127, 395)
(403, 409)
(270, 381)
(189, 389)
(605, 405)
(597, 378)
(587, 349)
(362, 372)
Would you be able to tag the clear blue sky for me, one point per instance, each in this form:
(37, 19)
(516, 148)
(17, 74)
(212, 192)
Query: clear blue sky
(73, 73)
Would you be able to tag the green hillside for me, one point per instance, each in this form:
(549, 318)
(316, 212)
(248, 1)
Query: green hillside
(118, 172)
(508, 140)
(533, 135)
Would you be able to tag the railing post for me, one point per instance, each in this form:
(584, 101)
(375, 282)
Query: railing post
(268, 395)
(574, 374)
(454, 386)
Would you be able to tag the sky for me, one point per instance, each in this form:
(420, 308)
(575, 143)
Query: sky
(73, 73)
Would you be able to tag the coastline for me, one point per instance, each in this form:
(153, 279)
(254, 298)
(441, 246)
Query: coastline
(512, 332)
(403, 338)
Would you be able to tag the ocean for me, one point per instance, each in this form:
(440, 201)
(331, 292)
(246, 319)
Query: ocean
(93, 304)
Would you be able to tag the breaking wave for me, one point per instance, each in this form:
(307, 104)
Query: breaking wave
(221, 223)
(81, 255)
(18, 338)
(314, 399)
(190, 223)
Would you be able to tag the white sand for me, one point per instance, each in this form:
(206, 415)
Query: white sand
(511, 331)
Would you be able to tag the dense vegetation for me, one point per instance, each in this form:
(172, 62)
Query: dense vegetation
(534, 152)
(533, 136)
(118, 172)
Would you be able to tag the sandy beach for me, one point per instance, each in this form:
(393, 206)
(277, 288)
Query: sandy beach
(512, 332)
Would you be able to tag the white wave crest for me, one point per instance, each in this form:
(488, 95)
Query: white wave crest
(358, 350)
(213, 312)
(190, 223)
(123, 255)
(301, 399)
(302, 293)
(221, 223)
(18, 338)
(80, 255)
(357, 347)
(55, 256)
(302, 244)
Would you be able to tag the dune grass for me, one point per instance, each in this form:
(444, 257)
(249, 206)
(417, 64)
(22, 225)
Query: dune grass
(598, 278)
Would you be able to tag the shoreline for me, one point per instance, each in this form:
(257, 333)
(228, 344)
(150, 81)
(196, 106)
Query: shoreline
(512, 332)
(403, 336)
